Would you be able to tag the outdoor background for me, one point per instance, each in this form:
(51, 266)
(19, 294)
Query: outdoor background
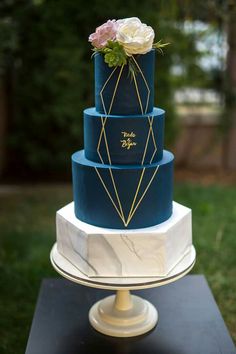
(46, 80)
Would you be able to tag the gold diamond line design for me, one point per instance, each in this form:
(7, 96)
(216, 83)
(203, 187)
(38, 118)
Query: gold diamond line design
(103, 134)
(153, 138)
(145, 82)
(150, 132)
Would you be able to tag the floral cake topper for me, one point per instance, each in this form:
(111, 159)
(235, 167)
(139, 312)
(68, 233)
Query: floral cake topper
(119, 40)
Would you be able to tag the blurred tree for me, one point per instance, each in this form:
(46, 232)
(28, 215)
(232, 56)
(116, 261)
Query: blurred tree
(47, 73)
(229, 116)
(222, 14)
(8, 45)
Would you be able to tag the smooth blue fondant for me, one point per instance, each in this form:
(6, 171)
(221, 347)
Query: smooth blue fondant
(126, 99)
(93, 205)
(114, 128)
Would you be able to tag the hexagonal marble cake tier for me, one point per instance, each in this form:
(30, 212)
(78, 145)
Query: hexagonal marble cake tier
(100, 252)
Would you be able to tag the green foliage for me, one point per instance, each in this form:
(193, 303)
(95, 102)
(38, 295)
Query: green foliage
(159, 45)
(46, 56)
(114, 54)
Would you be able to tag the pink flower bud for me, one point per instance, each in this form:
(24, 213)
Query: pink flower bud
(103, 34)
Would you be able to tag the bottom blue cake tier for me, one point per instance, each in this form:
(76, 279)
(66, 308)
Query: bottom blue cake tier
(118, 197)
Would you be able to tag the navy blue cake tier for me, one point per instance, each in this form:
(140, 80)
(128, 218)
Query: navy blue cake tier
(117, 91)
(119, 139)
(122, 196)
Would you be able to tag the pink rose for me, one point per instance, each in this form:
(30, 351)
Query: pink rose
(103, 34)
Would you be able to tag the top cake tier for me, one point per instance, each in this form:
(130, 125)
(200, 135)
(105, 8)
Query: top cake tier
(117, 91)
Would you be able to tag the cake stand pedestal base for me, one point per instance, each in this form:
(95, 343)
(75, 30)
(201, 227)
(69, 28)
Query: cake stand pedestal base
(123, 315)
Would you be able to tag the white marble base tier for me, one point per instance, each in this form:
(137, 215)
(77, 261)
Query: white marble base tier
(101, 252)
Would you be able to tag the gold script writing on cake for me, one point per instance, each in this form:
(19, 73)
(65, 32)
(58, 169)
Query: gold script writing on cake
(128, 140)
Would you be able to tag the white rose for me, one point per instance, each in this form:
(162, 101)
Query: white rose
(136, 37)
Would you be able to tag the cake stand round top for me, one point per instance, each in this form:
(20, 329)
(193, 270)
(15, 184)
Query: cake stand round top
(69, 271)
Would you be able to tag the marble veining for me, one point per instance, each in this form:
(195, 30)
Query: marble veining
(99, 247)
(130, 244)
(101, 252)
(67, 245)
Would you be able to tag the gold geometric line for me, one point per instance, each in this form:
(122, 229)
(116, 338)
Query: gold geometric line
(146, 145)
(151, 123)
(145, 81)
(111, 174)
(144, 193)
(147, 102)
(103, 132)
(141, 72)
(100, 157)
(117, 195)
(136, 193)
(100, 138)
(109, 195)
(153, 156)
(107, 148)
(153, 138)
(103, 104)
(101, 96)
(114, 93)
(108, 79)
(137, 91)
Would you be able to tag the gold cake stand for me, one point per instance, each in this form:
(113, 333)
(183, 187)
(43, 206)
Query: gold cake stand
(123, 314)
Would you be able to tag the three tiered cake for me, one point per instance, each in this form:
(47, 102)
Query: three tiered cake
(123, 221)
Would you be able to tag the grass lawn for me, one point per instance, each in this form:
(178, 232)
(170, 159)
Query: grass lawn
(27, 224)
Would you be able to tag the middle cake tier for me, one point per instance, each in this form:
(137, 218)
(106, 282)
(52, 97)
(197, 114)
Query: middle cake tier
(122, 139)
(122, 196)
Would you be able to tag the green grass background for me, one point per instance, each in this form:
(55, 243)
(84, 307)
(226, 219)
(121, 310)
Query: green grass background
(27, 233)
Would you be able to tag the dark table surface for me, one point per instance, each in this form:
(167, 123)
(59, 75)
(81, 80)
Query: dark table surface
(189, 321)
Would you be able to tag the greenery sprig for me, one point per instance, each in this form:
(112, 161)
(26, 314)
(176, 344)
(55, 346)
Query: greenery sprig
(114, 54)
(159, 45)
